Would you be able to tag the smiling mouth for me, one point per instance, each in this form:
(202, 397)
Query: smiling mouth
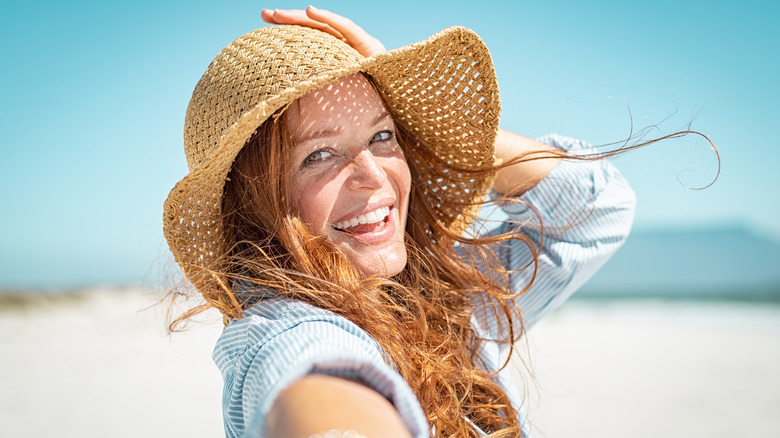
(367, 222)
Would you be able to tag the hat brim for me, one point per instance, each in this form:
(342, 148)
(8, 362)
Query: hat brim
(443, 89)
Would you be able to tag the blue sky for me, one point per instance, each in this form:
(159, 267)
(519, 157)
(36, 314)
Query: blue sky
(94, 95)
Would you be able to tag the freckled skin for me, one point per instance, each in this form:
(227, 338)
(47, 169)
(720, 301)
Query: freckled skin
(346, 161)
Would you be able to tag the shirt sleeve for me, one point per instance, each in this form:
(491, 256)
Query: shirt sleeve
(279, 341)
(585, 209)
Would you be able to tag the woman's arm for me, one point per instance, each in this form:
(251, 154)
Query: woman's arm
(318, 403)
(576, 218)
(538, 161)
(292, 370)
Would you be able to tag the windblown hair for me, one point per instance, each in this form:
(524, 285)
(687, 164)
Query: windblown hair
(420, 317)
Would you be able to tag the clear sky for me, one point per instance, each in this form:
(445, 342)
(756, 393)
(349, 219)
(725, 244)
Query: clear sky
(94, 94)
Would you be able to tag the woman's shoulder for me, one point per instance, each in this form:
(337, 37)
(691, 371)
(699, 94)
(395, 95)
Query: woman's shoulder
(279, 325)
(279, 340)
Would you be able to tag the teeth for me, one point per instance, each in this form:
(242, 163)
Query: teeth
(371, 217)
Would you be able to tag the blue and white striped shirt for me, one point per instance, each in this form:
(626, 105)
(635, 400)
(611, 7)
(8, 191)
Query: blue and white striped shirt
(586, 209)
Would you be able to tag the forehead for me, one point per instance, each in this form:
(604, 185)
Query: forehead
(351, 101)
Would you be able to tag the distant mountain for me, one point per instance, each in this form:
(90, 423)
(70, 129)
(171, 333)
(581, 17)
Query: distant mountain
(711, 263)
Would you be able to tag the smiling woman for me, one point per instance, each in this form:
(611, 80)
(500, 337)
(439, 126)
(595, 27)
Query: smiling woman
(351, 182)
(326, 215)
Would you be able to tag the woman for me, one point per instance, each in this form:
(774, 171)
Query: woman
(329, 215)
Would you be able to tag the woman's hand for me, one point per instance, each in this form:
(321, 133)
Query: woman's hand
(512, 180)
(341, 27)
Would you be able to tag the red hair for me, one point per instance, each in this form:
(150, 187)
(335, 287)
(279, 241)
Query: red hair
(421, 317)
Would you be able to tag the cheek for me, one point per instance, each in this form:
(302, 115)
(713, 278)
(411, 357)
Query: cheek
(402, 177)
(407, 178)
(311, 202)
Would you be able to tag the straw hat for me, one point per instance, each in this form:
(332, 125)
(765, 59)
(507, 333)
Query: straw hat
(443, 89)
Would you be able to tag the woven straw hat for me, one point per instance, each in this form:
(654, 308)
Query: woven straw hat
(443, 89)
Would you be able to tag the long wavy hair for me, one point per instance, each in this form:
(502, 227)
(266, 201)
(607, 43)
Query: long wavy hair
(421, 317)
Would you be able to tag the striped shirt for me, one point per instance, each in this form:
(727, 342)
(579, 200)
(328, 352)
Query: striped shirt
(586, 209)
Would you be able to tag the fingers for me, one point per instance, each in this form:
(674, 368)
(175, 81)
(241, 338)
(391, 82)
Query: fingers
(354, 35)
(299, 17)
(340, 27)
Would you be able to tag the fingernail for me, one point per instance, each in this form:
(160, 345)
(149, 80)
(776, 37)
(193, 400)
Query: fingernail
(312, 8)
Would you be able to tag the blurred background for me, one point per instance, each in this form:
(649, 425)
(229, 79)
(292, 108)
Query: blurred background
(92, 109)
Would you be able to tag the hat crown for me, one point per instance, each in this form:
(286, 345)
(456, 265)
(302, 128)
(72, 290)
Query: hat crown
(256, 68)
(443, 91)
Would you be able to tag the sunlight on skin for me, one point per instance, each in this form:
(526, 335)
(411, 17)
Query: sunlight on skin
(326, 21)
(350, 405)
(347, 166)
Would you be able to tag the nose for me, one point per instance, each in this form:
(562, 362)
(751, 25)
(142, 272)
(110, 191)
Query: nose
(366, 172)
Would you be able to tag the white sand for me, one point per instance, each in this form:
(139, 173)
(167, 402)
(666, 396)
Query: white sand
(103, 367)
(658, 370)
(106, 368)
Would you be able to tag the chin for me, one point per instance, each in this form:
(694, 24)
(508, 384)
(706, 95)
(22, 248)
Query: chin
(385, 267)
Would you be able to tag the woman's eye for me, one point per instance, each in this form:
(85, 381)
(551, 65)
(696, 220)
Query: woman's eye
(316, 156)
(381, 136)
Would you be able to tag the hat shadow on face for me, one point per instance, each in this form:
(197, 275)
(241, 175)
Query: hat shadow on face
(442, 90)
(336, 104)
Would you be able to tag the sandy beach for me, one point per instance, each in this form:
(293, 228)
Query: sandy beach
(103, 365)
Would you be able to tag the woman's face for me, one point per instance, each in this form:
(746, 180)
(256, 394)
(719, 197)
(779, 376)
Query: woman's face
(349, 180)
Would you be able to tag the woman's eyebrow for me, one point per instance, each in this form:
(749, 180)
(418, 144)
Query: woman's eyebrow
(320, 133)
(380, 117)
(330, 132)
